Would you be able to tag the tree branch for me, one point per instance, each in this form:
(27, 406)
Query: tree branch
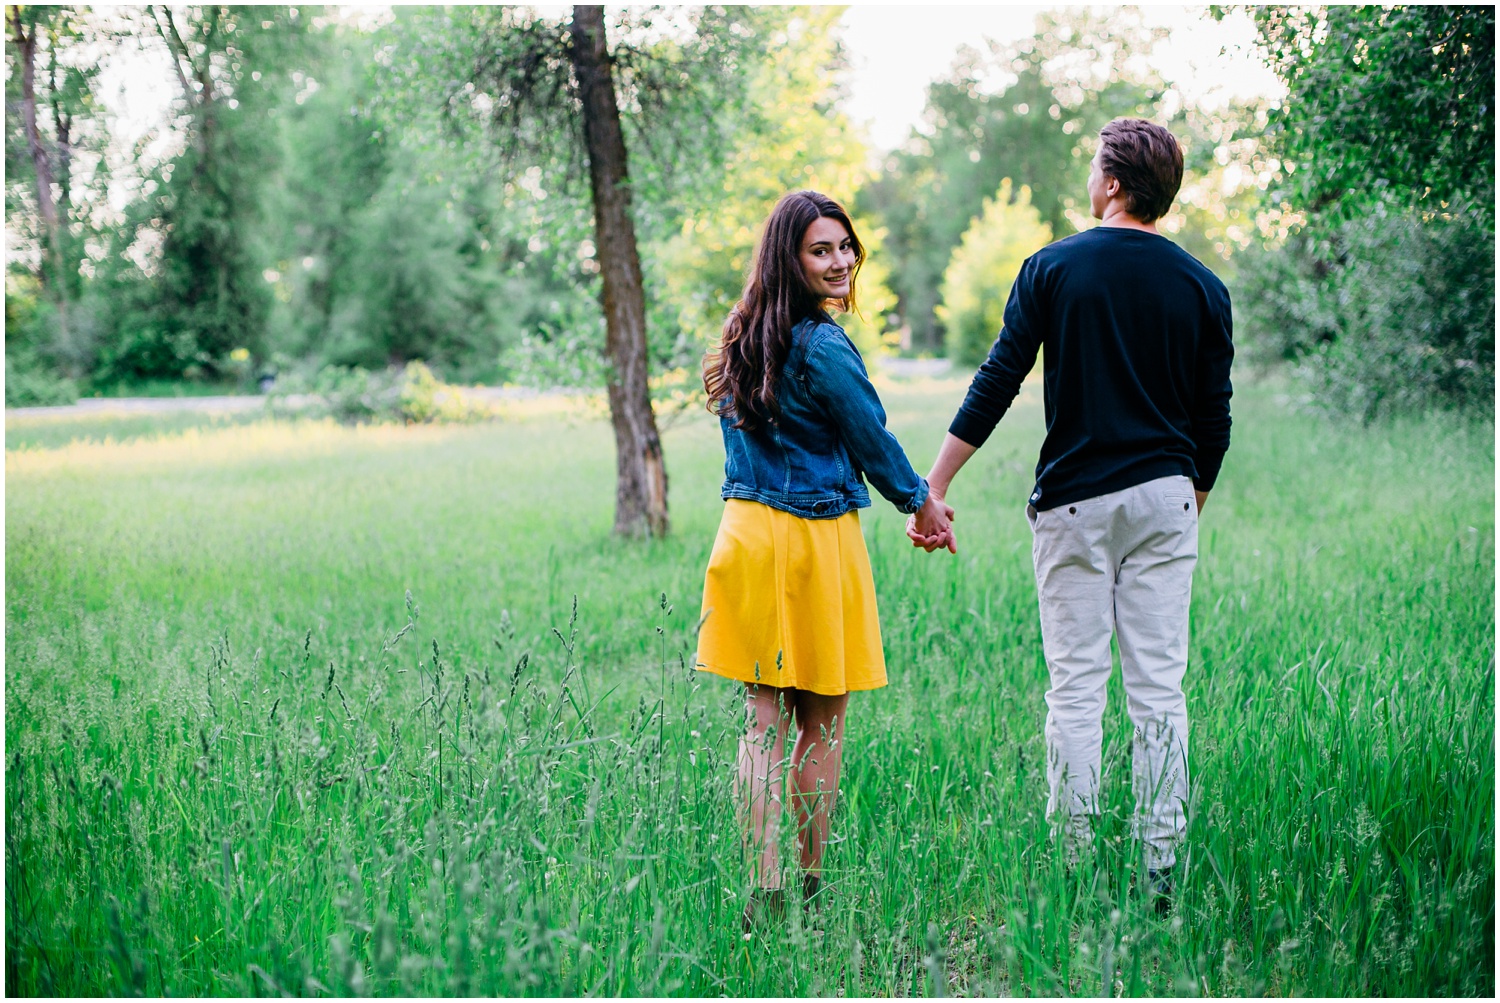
(180, 52)
(41, 160)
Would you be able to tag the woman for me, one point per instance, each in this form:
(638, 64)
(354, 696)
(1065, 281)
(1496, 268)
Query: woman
(789, 601)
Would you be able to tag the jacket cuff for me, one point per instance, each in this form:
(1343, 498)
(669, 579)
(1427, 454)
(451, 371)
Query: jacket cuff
(919, 498)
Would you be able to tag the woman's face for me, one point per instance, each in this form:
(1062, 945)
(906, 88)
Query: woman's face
(828, 259)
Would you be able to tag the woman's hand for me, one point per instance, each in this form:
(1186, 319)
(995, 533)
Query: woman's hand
(931, 526)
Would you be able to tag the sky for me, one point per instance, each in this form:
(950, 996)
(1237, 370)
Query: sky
(895, 51)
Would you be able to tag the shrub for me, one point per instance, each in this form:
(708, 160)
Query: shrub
(45, 357)
(27, 384)
(424, 398)
(983, 269)
(354, 396)
(1392, 311)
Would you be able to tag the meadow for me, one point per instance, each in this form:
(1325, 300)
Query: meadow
(299, 708)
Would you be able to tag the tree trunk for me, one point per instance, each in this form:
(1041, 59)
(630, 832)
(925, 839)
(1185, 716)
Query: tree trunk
(53, 276)
(641, 492)
(62, 129)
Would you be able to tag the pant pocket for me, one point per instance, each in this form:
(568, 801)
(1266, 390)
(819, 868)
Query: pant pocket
(1177, 502)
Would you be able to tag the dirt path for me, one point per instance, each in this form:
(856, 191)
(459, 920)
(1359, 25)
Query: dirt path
(240, 404)
(102, 406)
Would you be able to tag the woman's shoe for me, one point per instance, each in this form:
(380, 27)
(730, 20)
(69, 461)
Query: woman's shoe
(812, 887)
(766, 906)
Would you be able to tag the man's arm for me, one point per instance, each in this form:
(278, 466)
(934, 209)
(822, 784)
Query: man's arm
(991, 392)
(950, 460)
(1212, 391)
(1011, 357)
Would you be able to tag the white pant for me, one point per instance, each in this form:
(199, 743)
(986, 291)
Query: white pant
(1119, 564)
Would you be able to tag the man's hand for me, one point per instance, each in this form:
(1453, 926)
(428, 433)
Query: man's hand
(1202, 499)
(931, 526)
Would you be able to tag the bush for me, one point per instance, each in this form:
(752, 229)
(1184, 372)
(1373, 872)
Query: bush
(1388, 312)
(423, 398)
(357, 396)
(983, 269)
(44, 357)
(30, 385)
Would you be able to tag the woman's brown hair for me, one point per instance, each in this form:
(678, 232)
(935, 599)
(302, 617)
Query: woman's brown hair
(740, 375)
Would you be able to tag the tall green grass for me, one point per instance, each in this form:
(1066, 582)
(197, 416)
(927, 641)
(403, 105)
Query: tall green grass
(300, 708)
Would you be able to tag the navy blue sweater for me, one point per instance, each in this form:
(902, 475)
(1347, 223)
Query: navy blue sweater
(1135, 340)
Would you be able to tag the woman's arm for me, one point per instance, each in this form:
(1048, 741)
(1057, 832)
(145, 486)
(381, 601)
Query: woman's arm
(836, 376)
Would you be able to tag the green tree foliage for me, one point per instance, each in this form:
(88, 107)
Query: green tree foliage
(333, 158)
(54, 171)
(1383, 100)
(388, 242)
(356, 190)
(1404, 321)
(324, 196)
(683, 78)
(377, 261)
(29, 380)
(204, 294)
(787, 134)
(1226, 171)
(1385, 293)
(1027, 113)
(984, 266)
(403, 294)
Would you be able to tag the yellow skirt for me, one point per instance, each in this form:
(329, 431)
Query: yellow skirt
(791, 602)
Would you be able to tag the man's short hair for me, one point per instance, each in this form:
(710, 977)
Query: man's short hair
(1147, 161)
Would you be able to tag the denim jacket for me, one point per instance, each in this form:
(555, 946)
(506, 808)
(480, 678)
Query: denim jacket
(830, 435)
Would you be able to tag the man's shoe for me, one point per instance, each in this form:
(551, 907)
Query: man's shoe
(1159, 887)
(766, 906)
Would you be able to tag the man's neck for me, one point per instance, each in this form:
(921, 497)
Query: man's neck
(1116, 216)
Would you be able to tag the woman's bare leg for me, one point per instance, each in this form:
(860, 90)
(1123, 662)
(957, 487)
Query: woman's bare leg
(761, 778)
(816, 759)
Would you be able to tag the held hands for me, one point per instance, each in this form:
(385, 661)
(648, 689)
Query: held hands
(931, 526)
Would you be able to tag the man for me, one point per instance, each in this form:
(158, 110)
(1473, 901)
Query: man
(1135, 340)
